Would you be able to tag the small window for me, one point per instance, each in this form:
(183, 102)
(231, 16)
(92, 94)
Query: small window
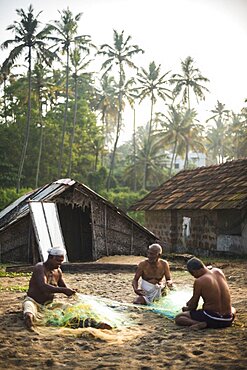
(176, 165)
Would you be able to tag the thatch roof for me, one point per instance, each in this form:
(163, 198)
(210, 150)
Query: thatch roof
(49, 192)
(214, 187)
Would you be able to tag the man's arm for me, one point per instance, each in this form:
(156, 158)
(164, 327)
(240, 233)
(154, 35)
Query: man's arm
(193, 302)
(48, 288)
(61, 282)
(168, 274)
(135, 281)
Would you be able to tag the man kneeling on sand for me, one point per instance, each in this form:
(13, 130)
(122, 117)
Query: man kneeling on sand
(211, 285)
(154, 273)
(46, 280)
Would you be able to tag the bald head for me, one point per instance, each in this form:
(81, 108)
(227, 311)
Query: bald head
(155, 247)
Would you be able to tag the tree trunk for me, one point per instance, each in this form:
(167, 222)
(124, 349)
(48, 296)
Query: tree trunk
(148, 143)
(134, 149)
(119, 123)
(73, 129)
(24, 149)
(173, 156)
(41, 140)
(60, 163)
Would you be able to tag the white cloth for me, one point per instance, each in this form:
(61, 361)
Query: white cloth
(56, 251)
(152, 291)
(33, 307)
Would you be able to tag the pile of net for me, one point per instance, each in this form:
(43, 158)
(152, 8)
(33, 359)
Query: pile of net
(102, 313)
(87, 311)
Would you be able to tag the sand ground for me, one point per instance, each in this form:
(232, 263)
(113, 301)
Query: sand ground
(154, 342)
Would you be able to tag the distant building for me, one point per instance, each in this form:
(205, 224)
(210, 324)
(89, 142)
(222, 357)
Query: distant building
(195, 160)
(201, 211)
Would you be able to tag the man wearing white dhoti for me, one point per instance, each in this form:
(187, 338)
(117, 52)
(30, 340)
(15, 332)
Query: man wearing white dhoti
(46, 280)
(155, 275)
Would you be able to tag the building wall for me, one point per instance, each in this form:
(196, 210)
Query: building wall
(160, 223)
(168, 226)
(14, 242)
(115, 235)
(200, 232)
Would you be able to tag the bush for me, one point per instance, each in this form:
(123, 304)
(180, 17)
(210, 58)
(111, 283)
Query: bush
(9, 195)
(123, 198)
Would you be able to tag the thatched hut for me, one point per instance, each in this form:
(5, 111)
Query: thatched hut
(68, 212)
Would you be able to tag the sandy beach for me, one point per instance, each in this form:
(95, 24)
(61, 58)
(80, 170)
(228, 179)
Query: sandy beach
(152, 342)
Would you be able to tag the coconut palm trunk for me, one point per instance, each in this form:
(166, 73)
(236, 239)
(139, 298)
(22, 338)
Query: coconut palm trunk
(73, 128)
(118, 130)
(41, 139)
(148, 144)
(28, 120)
(60, 162)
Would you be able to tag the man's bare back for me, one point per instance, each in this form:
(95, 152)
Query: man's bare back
(215, 291)
(211, 285)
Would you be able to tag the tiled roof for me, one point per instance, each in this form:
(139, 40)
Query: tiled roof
(214, 187)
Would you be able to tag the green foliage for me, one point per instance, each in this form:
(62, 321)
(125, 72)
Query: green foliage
(14, 288)
(9, 195)
(122, 197)
(138, 217)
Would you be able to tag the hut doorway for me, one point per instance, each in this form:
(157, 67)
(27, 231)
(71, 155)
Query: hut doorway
(77, 232)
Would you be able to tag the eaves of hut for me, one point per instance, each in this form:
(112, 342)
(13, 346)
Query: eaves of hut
(69, 213)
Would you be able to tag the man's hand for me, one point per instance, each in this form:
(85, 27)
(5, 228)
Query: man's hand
(140, 292)
(185, 308)
(169, 283)
(69, 292)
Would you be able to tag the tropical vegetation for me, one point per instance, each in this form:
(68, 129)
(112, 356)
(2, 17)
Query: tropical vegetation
(62, 113)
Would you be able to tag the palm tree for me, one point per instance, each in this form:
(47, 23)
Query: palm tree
(178, 130)
(41, 84)
(27, 38)
(153, 155)
(154, 86)
(220, 117)
(190, 79)
(66, 29)
(107, 104)
(4, 73)
(79, 64)
(119, 55)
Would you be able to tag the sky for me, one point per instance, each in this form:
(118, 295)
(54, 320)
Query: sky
(212, 32)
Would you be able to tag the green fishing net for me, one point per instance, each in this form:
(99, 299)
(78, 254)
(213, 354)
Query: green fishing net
(171, 304)
(87, 311)
(102, 313)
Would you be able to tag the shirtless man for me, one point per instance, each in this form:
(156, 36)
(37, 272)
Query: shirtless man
(46, 280)
(155, 274)
(211, 285)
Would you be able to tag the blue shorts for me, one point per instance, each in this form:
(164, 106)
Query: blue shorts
(213, 319)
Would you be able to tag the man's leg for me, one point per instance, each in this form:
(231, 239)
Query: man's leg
(30, 311)
(28, 320)
(140, 300)
(184, 319)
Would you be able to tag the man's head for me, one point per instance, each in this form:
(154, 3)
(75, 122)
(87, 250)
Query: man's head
(154, 252)
(56, 256)
(194, 266)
